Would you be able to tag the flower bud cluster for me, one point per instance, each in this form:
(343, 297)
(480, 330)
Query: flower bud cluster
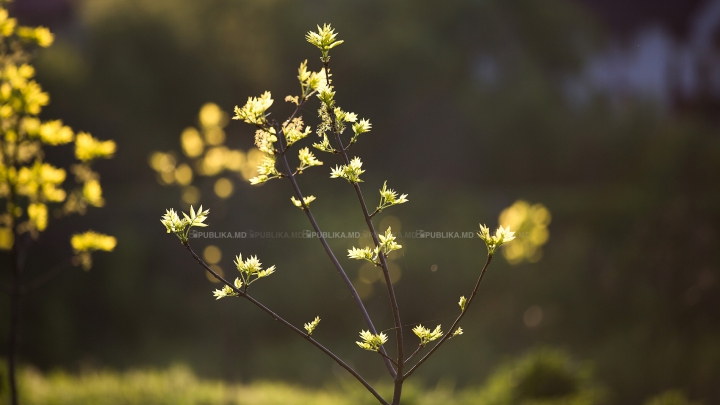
(370, 341)
(502, 235)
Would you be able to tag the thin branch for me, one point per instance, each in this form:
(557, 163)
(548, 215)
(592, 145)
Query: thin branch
(388, 357)
(383, 262)
(454, 325)
(329, 251)
(348, 146)
(277, 317)
(414, 353)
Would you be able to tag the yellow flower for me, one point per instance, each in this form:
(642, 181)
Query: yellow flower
(88, 148)
(93, 193)
(90, 241)
(38, 215)
(531, 221)
(54, 133)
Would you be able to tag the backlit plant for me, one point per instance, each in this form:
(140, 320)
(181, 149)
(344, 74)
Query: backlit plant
(276, 140)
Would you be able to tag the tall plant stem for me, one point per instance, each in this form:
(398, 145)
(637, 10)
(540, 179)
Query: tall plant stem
(329, 251)
(454, 325)
(278, 318)
(383, 261)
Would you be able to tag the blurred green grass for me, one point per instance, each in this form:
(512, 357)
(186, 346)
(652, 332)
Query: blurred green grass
(178, 385)
(543, 376)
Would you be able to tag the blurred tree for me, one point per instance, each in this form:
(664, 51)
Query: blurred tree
(28, 184)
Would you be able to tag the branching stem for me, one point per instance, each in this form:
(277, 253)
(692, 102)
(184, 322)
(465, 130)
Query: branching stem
(454, 325)
(388, 358)
(414, 353)
(244, 294)
(383, 261)
(325, 245)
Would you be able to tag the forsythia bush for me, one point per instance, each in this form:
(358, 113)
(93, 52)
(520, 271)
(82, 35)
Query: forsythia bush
(33, 190)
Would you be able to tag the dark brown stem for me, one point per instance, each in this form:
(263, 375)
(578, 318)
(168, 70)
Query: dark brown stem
(243, 294)
(454, 325)
(397, 391)
(388, 358)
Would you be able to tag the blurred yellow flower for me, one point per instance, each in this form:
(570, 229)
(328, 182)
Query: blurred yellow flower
(530, 223)
(192, 143)
(52, 132)
(38, 216)
(90, 241)
(93, 193)
(6, 238)
(88, 148)
(212, 116)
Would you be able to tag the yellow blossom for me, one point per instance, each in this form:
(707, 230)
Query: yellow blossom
(90, 241)
(38, 215)
(93, 193)
(88, 148)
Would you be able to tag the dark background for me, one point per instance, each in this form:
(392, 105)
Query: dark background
(604, 111)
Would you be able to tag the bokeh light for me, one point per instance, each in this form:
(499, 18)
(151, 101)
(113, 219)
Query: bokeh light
(530, 223)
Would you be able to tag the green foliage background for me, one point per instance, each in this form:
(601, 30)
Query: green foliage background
(629, 277)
